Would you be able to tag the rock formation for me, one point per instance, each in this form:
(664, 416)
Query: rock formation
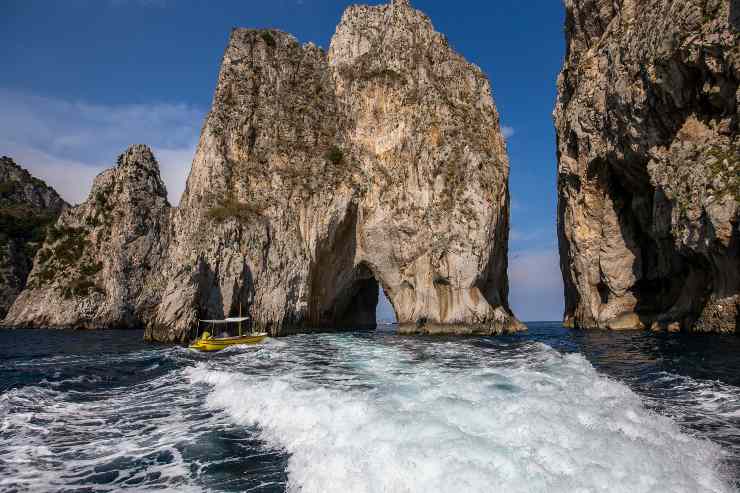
(27, 207)
(318, 178)
(649, 164)
(98, 266)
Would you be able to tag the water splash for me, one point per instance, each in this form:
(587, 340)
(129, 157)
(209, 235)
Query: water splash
(451, 417)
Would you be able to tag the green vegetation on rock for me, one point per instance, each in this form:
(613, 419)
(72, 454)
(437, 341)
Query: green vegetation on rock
(7, 187)
(268, 38)
(24, 224)
(726, 165)
(63, 258)
(233, 209)
(334, 155)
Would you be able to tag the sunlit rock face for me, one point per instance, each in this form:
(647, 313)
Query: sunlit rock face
(98, 267)
(649, 164)
(27, 207)
(421, 125)
(320, 177)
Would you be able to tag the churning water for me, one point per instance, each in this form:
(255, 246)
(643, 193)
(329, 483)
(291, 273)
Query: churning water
(550, 410)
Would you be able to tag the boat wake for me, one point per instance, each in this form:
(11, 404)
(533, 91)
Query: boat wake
(138, 427)
(447, 417)
(355, 412)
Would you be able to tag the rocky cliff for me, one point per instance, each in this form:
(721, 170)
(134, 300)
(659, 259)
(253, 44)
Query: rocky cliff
(27, 207)
(98, 265)
(319, 177)
(649, 164)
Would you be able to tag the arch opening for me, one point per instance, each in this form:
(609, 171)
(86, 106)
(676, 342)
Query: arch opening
(363, 304)
(385, 314)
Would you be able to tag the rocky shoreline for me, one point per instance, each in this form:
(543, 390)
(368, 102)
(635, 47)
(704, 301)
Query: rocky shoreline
(322, 177)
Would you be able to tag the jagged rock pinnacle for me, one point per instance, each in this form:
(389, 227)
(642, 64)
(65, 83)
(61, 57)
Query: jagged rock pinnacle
(319, 177)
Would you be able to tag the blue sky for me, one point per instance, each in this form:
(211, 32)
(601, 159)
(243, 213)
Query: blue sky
(83, 79)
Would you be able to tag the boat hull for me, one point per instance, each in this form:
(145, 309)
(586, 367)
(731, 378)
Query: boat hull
(216, 344)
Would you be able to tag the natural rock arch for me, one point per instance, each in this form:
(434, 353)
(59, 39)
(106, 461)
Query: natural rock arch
(379, 162)
(317, 177)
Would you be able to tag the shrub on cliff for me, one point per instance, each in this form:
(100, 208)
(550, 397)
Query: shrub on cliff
(233, 209)
(334, 155)
(268, 38)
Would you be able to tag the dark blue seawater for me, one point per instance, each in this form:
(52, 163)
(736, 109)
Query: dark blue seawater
(547, 410)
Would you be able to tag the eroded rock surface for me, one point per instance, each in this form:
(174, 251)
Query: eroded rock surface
(98, 265)
(27, 207)
(649, 164)
(318, 178)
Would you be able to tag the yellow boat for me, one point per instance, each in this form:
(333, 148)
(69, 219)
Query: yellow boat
(207, 342)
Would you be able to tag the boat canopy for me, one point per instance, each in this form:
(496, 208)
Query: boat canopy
(226, 321)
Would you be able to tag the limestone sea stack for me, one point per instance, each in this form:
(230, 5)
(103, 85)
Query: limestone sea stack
(318, 179)
(27, 207)
(649, 164)
(98, 266)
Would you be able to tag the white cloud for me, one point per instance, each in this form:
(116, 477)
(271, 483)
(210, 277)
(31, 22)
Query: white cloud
(507, 131)
(67, 143)
(174, 165)
(536, 285)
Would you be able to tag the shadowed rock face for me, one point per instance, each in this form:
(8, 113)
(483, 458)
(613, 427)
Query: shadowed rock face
(318, 178)
(98, 265)
(27, 207)
(649, 165)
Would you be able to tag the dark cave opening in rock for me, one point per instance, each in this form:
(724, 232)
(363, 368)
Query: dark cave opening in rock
(359, 309)
(662, 273)
(364, 304)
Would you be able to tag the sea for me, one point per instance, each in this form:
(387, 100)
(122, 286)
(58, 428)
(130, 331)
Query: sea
(549, 410)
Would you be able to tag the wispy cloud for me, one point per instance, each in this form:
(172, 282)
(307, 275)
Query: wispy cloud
(536, 285)
(67, 143)
(526, 235)
(507, 131)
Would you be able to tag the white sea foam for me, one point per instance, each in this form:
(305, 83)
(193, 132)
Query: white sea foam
(362, 416)
(710, 405)
(52, 439)
(356, 414)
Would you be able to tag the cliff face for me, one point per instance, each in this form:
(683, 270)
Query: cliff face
(649, 164)
(27, 207)
(98, 265)
(420, 122)
(263, 193)
(318, 178)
